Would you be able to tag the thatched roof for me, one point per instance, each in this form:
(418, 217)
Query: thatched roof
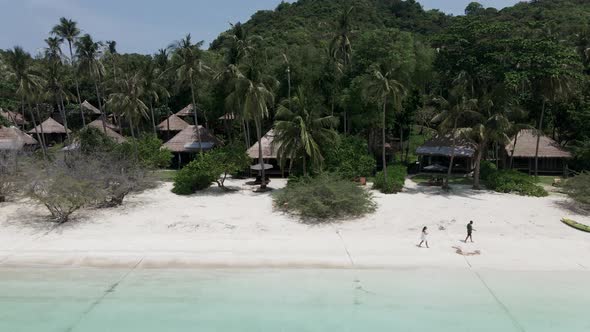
(176, 124)
(110, 132)
(12, 138)
(187, 111)
(89, 107)
(187, 141)
(526, 146)
(269, 148)
(13, 117)
(442, 145)
(50, 126)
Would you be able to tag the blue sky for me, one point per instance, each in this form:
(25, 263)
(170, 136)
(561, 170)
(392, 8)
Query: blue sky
(143, 26)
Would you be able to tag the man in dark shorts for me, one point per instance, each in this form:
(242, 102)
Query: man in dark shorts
(469, 231)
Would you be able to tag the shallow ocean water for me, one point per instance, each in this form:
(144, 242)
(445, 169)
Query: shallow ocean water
(34, 300)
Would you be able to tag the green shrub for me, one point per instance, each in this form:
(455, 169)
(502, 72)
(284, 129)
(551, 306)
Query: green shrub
(350, 159)
(197, 175)
(487, 169)
(511, 181)
(211, 167)
(93, 140)
(396, 178)
(578, 188)
(149, 151)
(324, 197)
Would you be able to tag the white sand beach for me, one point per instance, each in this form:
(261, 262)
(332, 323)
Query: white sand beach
(158, 229)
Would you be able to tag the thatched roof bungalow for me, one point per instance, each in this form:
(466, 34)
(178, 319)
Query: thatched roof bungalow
(13, 139)
(553, 157)
(186, 143)
(187, 111)
(438, 151)
(173, 124)
(52, 130)
(13, 117)
(90, 108)
(269, 148)
(110, 132)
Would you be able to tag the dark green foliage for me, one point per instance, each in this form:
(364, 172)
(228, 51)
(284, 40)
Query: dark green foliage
(197, 175)
(510, 181)
(350, 158)
(211, 167)
(4, 122)
(396, 178)
(93, 140)
(149, 151)
(323, 198)
(487, 170)
(578, 188)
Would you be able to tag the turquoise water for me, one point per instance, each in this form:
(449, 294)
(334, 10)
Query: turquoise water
(292, 300)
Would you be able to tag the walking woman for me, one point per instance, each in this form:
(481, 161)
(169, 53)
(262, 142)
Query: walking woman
(424, 237)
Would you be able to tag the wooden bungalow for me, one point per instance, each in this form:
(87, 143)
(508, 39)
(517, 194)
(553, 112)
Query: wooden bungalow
(14, 118)
(269, 153)
(172, 126)
(110, 132)
(13, 139)
(53, 131)
(185, 145)
(553, 158)
(435, 154)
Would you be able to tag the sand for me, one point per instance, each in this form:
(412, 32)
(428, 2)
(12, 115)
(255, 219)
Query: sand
(157, 229)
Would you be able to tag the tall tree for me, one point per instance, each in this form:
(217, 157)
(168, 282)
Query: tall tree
(28, 81)
(190, 68)
(301, 130)
(382, 87)
(69, 31)
(154, 89)
(89, 53)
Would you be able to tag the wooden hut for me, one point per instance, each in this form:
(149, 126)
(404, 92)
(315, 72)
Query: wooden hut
(435, 154)
(14, 118)
(110, 132)
(553, 158)
(13, 139)
(53, 131)
(185, 145)
(269, 153)
(172, 126)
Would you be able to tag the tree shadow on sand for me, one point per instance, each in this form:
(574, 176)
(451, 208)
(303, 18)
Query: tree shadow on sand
(462, 191)
(573, 207)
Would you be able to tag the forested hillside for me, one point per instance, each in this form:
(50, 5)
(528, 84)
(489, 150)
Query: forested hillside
(381, 68)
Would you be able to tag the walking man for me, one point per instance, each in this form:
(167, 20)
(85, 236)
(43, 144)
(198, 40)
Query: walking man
(424, 237)
(469, 232)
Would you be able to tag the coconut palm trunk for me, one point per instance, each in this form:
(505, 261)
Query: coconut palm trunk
(539, 133)
(153, 117)
(513, 150)
(452, 162)
(77, 84)
(260, 155)
(131, 127)
(476, 173)
(37, 131)
(384, 138)
(196, 118)
(62, 113)
(102, 114)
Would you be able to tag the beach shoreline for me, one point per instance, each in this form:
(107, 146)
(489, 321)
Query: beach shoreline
(159, 230)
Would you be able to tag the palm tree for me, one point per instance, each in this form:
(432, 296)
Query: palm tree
(153, 88)
(127, 101)
(28, 81)
(340, 53)
(301, 130)
(189, 69)
(68, 30)
(55, 77)
(89, 53)
(380, 86)
(451, 113)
